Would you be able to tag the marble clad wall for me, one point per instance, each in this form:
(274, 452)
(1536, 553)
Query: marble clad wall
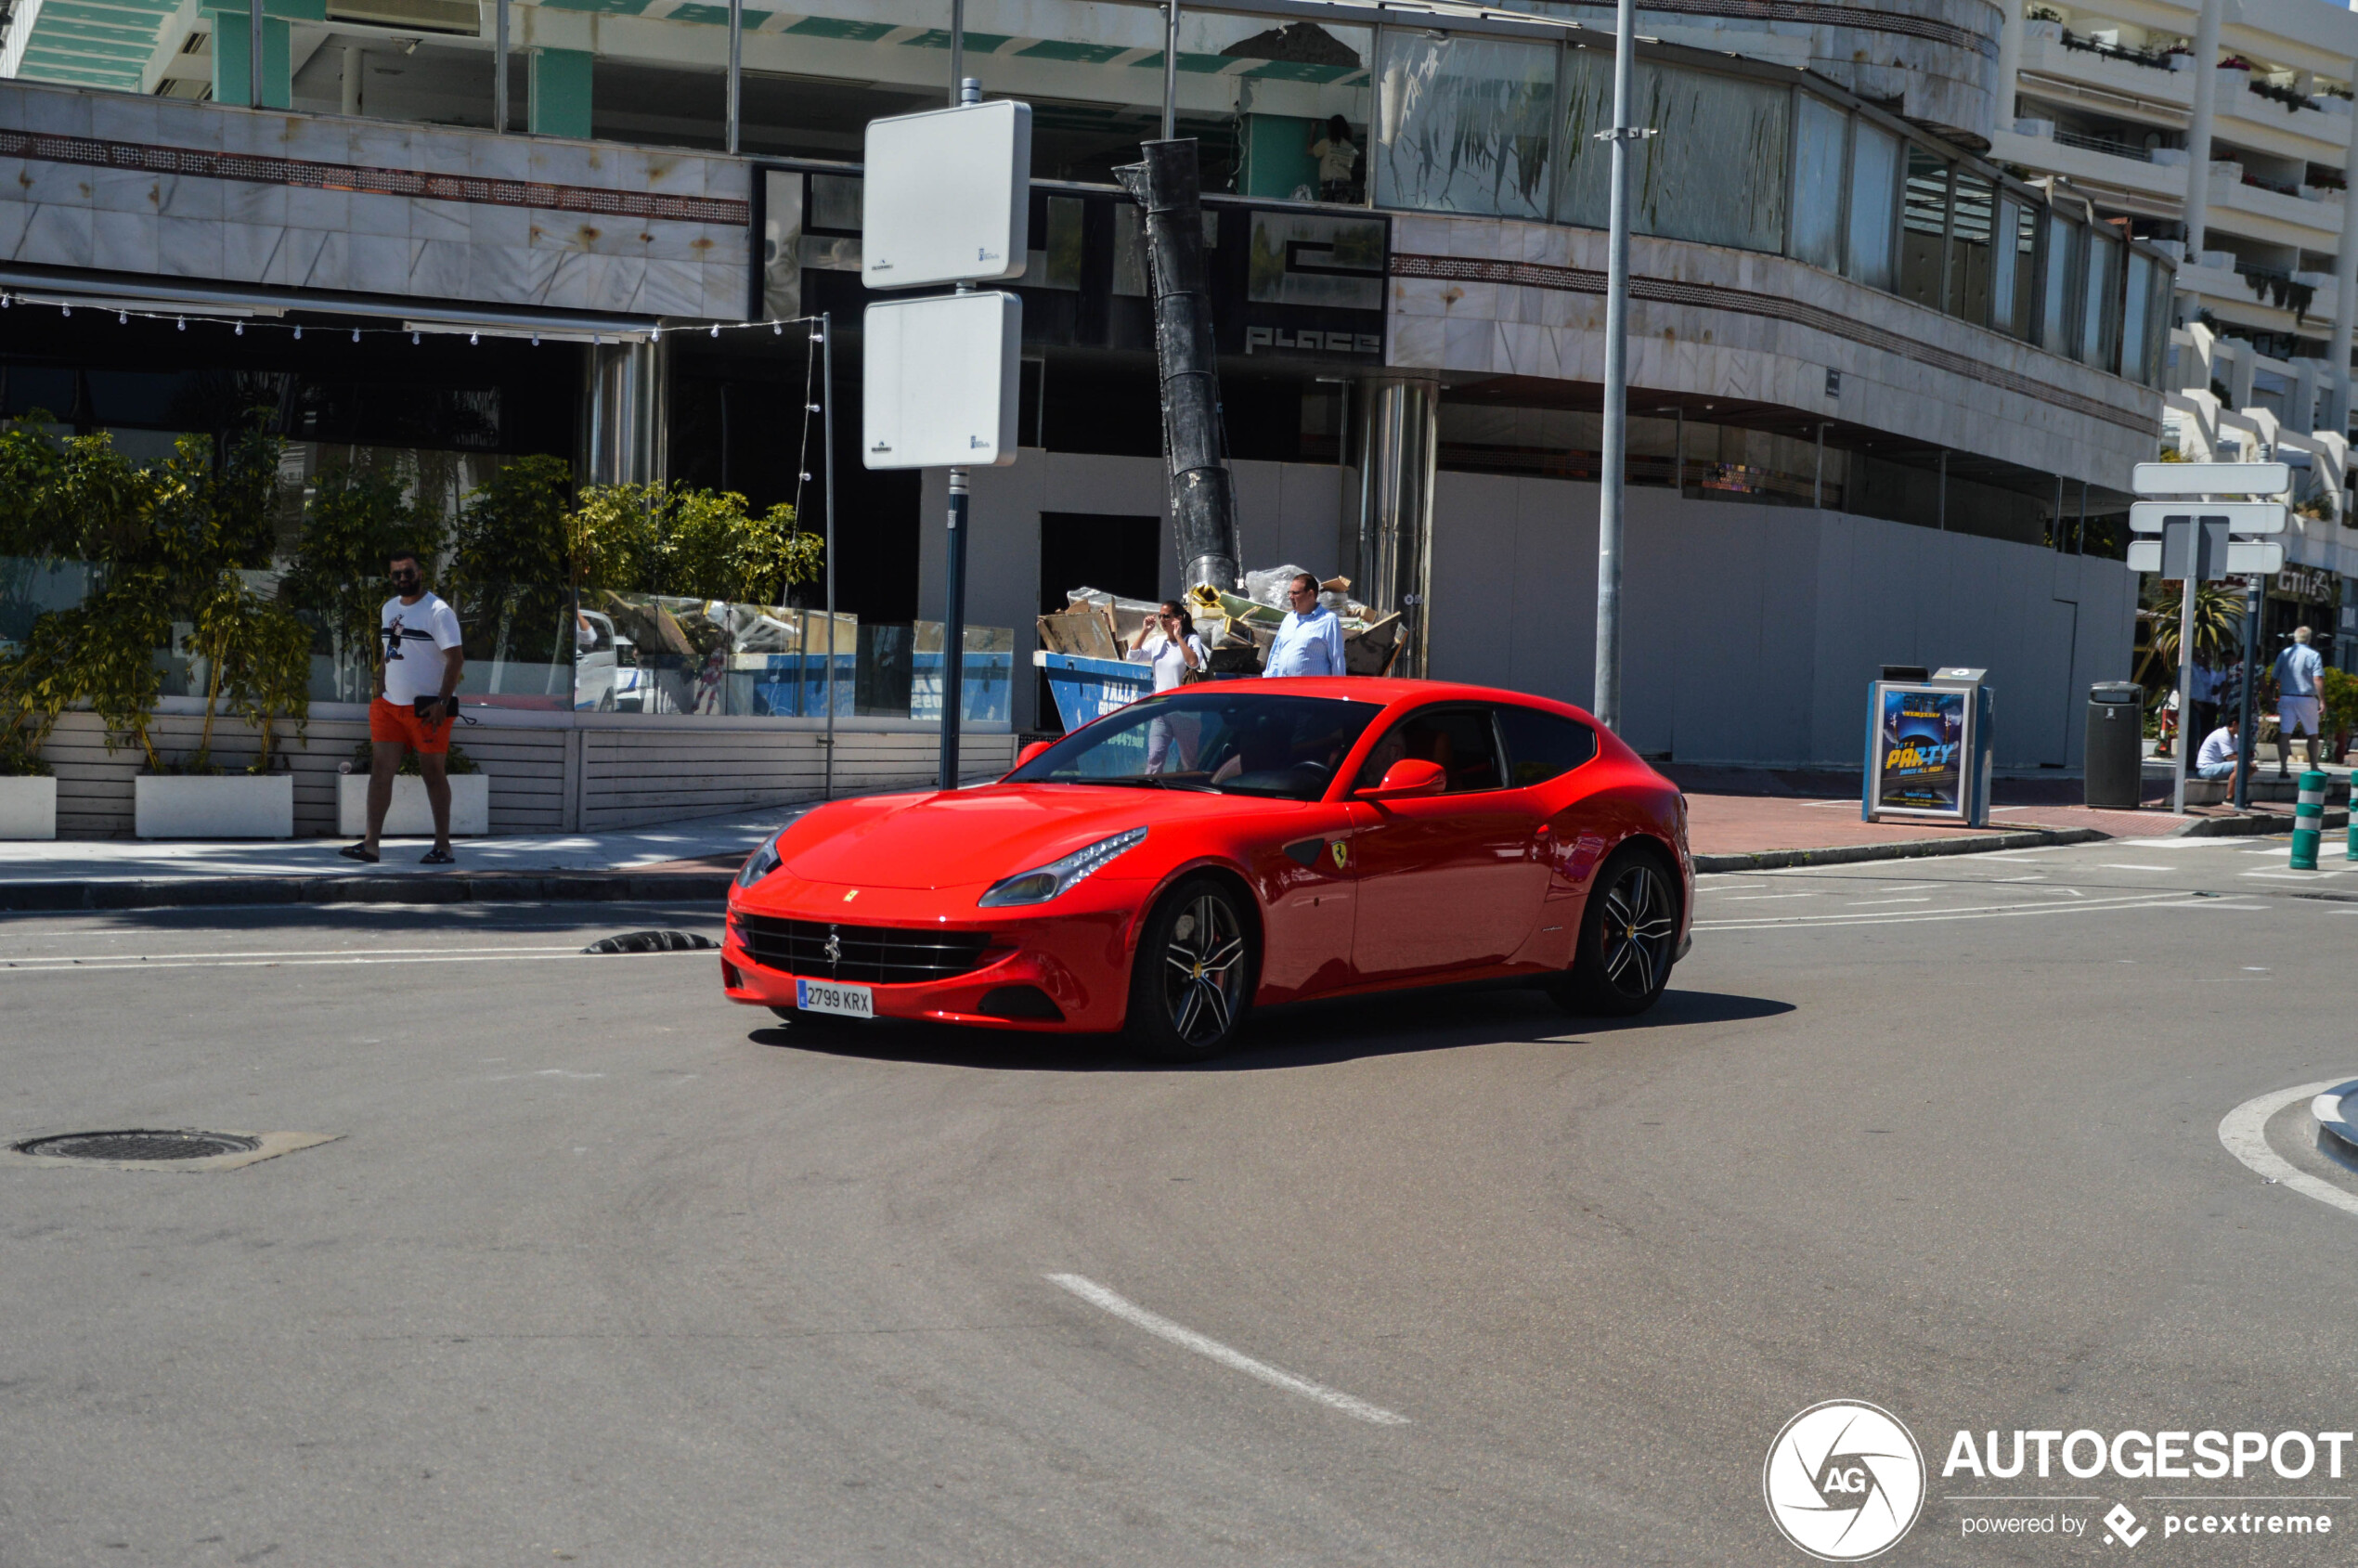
(105, 181)
(1904, 368)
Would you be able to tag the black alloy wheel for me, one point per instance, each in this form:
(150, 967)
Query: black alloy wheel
(1192, 979)
(1628, 938)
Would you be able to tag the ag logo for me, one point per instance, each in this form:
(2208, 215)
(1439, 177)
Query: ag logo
(1844, 1481)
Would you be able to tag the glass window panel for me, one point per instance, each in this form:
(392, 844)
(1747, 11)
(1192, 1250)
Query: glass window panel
(1716, 168)
(2100, 308)
(2012, 278)
(1820, 131)
(1587, 108)
(1461, 125)
(781, 243)
(1972, 218)
(2157, 315)
(2066, 246)
(1924, 228)
(2135, 304)
(1684, 184)
(1874, 182)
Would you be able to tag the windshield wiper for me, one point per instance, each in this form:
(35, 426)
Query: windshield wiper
(1156, 781)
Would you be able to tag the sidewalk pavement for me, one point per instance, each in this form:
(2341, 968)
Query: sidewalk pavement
(1738, 820)
(1746, 819)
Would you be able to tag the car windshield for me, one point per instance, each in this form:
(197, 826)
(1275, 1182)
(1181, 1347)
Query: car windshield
(1220, 736)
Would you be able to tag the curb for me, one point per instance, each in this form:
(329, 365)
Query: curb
(1898, 849)
(2250, 823)
(495, 886)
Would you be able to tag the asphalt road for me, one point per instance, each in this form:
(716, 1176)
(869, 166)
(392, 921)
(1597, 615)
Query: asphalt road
(603, 1269)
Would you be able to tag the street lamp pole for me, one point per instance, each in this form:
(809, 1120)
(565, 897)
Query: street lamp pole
(1615, 463)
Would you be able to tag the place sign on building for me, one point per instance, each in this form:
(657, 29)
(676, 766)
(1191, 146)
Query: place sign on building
(2311, 584)
(1286, 283)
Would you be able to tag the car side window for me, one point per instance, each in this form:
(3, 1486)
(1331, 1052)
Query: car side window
(1542, 746)
(1460, 739)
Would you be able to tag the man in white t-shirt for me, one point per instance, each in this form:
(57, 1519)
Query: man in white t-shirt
(412, 709)
(2217, 759)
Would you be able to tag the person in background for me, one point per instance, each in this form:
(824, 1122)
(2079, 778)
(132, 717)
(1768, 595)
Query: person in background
(412, 705)
(2299, 681)
(1309, 641)
(1181, 653)
(2206, 682)
(2217, 759)
(1337, 158)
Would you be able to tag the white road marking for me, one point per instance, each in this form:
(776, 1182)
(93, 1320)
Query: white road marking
(1856, 903)
(1906, 887)
(1132, 1313)
(85, 967)
(2124, 865)
(2244, 1131)
(1719, 898)
(265, 953)
(2134, 901)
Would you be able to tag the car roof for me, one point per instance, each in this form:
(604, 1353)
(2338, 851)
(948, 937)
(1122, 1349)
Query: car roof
(1388, 690)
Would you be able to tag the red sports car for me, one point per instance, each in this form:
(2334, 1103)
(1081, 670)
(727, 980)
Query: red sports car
(1164, 869)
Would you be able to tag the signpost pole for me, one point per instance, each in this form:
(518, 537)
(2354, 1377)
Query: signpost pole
(2244, 737)
(954, 630)
(828, 433)
(2185, 673)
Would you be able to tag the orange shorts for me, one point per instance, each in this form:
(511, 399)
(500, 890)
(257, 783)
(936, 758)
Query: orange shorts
(399, 723)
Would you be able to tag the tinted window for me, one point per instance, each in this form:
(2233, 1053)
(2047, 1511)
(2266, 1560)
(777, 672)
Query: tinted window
(1459, 739)
(1540, 745)
(1222, 736)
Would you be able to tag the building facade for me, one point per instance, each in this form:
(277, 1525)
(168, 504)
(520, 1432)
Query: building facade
(1887, 390)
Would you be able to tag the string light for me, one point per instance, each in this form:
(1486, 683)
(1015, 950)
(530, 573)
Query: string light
(180, 320)
(471, 340)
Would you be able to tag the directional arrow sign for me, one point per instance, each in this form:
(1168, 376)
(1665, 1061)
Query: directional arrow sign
(2212, 479)
(2264, 559)
(2243, 517)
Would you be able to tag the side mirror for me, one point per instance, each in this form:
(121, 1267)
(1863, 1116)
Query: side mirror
(1408, 777)
(1035, 749)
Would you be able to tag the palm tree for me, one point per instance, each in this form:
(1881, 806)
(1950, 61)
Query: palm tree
(2218, 623)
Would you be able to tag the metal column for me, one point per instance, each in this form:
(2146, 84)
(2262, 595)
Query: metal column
(500, 70)
(1399, 450)
(737, 70)
(624, 416)
(1170, 70)
(1607, 694)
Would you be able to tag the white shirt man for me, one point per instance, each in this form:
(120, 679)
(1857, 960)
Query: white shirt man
(2217, 757)
(417, 637)
(1310, 640)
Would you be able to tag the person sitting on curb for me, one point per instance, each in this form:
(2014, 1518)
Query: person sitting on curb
(2217, 759)
(411, 705)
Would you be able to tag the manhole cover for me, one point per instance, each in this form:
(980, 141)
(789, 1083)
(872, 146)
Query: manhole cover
(140, 1144)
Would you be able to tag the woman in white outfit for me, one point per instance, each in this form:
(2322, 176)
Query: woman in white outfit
(1181, 652)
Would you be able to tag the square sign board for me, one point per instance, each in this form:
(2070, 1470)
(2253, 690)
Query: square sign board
(948, 196)
(940, 380)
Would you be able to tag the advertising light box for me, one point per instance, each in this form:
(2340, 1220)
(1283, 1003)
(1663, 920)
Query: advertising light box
(941, 386)
(949, 196)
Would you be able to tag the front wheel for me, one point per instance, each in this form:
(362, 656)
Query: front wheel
(1628, 938)
(1192, 979)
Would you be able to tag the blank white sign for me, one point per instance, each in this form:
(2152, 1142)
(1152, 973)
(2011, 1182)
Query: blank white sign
(2243, 517)
(948, 196)
(941, 375)
(2257, 559)
(2212, 478)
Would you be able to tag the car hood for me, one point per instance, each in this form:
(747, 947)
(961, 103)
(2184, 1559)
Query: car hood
(979, 835)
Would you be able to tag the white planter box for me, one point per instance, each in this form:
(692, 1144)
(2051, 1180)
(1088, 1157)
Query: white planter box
(230, 806)
(412, 815)
(28, 808)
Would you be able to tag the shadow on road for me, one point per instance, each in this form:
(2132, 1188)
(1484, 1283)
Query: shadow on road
(1307, 1034)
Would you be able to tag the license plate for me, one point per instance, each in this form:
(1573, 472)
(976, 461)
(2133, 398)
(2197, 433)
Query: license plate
(822, 996)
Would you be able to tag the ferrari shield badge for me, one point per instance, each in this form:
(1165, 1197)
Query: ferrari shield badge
(1340, 851)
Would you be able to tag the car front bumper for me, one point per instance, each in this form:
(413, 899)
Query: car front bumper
(1074, 951)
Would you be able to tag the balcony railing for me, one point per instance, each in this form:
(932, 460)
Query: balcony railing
(2152, 60)
(2104, 145)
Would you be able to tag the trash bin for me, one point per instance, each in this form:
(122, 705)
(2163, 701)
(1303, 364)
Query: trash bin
(2115, 763)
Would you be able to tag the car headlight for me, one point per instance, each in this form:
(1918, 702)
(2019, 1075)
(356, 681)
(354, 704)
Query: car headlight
(761, 862)
(1055, 878)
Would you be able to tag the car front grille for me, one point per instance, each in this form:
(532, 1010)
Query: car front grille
(862, 955)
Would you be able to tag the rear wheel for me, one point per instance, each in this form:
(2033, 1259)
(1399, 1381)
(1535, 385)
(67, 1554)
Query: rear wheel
(1628, 938)
(1192, 979)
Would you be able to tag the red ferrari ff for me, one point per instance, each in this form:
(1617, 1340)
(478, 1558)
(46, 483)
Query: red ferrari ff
(1164, 869)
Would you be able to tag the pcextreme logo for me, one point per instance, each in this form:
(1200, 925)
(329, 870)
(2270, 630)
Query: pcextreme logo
(1844, 1481)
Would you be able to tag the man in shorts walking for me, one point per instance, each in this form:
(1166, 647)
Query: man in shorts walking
(412, 705)
(2300, 680)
